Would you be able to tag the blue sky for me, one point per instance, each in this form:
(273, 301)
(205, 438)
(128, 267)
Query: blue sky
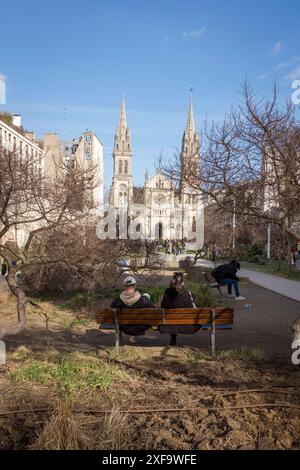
(83, 55)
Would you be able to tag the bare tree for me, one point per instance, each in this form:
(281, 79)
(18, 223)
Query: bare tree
(250, 164)
(73, 258)
(33, 205)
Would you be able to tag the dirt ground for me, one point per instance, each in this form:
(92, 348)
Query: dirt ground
(247, 397)
(167, 379)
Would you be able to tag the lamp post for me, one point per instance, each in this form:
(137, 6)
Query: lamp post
(269, 242)
(233, 225)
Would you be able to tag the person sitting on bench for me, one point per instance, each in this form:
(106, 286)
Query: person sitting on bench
(226, 274)
(177, 296)
(131, 298)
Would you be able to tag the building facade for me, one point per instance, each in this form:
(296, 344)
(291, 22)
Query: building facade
(160, 210)
(15, 139)
(88, 155)
(85, 152)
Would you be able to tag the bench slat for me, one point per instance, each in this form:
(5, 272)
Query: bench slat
(155, 310)
(158, 321)
(207, 327)
(158, 316)
(171, 317)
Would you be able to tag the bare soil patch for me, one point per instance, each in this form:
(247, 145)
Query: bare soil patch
(159, 397)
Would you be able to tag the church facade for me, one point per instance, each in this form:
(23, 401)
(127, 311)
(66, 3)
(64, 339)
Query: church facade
(158, 210)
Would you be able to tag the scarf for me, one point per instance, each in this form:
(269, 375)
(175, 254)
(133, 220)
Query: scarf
(130, 298)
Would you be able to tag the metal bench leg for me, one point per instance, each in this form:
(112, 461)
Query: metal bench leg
(118, 338)
(213, 333)
(220, 291)
(117, 332)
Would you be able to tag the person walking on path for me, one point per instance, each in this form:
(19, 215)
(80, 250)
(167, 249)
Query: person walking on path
(226, 274)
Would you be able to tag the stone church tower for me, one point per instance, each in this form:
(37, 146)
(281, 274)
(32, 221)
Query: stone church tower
(122, 185)
(190, 157)
(166, 213)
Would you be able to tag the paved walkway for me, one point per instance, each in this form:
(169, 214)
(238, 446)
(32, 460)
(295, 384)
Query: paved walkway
(280, 285)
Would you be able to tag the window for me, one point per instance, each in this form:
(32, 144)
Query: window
(120, 167)
(123, 193)
(126, 167)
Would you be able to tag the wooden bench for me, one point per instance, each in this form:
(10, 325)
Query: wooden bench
(214, 285)
(209, 319)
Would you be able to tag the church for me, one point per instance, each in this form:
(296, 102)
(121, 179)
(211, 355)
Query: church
(161, 210)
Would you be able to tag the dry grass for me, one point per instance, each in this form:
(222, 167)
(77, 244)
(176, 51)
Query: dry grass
(60, 316)
(67, 431)
(4, 297)
(62, 432)
(21, 353)
(113, 433)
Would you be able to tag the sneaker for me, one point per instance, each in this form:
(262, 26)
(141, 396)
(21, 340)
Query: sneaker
(231, 296)
(240, 298)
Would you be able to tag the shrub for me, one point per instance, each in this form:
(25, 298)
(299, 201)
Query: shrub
(155, 293)
(203, 294)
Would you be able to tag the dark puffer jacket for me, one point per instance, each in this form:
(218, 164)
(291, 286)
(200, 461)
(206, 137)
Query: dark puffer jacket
(182, 299)
(225, 271)
(133, 330)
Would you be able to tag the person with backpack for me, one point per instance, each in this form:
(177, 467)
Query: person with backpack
(131, 298)
(226, 274)
(177, 296)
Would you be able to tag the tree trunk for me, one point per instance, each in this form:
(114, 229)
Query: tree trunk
(21, 305)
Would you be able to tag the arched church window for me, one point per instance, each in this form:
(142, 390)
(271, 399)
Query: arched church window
(123, 192)
(120, 167)
(126, 167)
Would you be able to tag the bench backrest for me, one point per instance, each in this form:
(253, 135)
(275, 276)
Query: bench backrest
(160, 316)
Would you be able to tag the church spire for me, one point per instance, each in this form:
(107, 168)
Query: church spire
(191, 122)
(190, 151)
(122, 136)
(122, 185)
(123, 121)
